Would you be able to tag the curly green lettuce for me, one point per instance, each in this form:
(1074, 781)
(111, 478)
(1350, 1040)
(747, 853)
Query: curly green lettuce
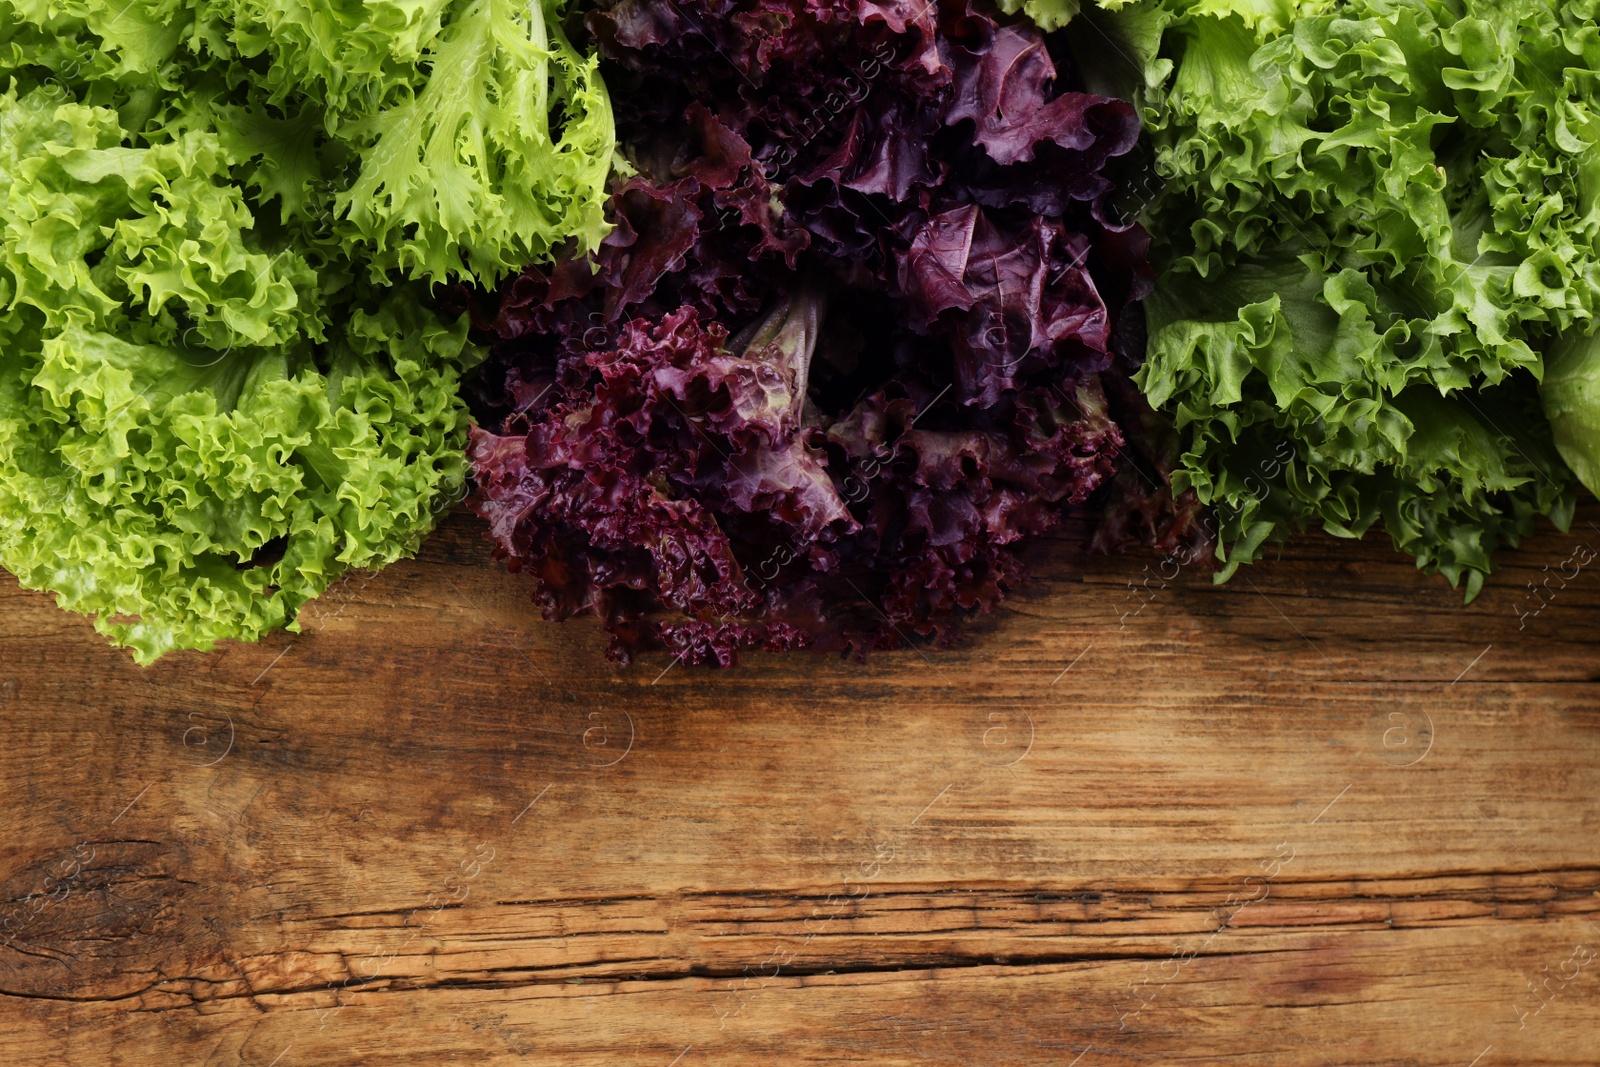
(1571, 394)
(1374, 219)
(1050, 15)
(221, 385)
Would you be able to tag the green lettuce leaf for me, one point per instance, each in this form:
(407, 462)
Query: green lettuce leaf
(470, 168)
(191, 444)
(220, 384)
(1571, 393)
(1373, 219)
(1049, 14)
(151, 492)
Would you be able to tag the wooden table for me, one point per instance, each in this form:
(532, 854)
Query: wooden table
(1322, 814)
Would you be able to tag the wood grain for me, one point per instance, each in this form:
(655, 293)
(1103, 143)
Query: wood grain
(1323, 814)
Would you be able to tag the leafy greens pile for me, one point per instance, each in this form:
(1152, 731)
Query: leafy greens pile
(859, 311)
(218, 386)
(860, 333)
(1378, 220)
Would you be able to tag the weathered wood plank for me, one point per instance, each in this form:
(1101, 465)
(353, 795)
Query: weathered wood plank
(1321, 814)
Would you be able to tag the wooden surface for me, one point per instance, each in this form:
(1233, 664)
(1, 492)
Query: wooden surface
(1321, 815)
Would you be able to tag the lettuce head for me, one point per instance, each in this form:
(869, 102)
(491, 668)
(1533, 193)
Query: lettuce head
(221, 382)
(1376, 221)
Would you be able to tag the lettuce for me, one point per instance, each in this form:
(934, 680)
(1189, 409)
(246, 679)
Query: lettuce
(221, 383)
(472, 167)
(1571, 393)
(857, 341)
(1374, 219)
(1049, 14)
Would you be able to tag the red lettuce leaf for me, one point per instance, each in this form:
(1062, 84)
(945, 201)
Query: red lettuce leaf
(861, 333)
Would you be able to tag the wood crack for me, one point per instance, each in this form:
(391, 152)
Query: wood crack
(532, 977)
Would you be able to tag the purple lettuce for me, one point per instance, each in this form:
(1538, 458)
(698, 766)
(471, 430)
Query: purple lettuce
(862, 330)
